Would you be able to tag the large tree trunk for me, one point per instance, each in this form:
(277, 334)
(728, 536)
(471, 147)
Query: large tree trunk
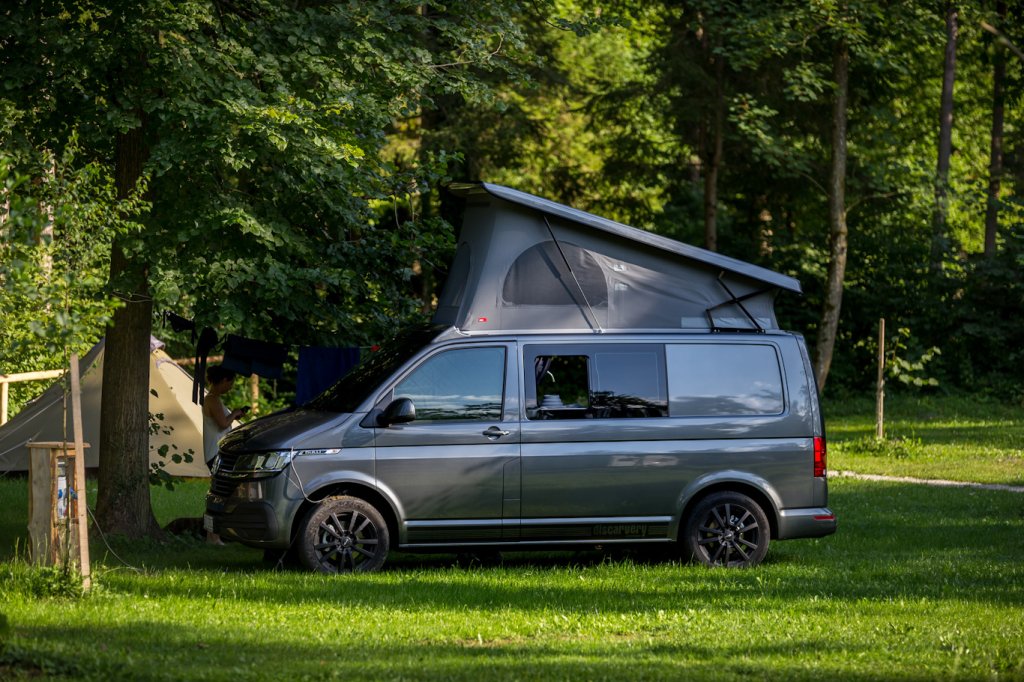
(939, 229)
(123, 502)
(713, 157)
(996, 152)
(833, 298)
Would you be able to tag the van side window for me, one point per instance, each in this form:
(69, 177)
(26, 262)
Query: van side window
(723, 380)
(596, 381)
(465, 384)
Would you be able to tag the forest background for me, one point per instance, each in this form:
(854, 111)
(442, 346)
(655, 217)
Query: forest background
(275, 170)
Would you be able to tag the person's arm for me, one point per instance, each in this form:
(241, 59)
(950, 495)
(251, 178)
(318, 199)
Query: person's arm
(215, 410)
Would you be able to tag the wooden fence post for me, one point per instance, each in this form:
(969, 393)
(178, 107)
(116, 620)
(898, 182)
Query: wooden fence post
(254, 393)
(58, 513)
(880, 386)
(82, 507)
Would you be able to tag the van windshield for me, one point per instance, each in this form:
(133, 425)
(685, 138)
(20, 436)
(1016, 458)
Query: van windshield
(356, 386)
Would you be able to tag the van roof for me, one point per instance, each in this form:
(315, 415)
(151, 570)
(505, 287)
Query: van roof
(528, 263)
(643, 236)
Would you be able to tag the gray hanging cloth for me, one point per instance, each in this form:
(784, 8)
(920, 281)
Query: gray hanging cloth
(251, 356)
(207, 342)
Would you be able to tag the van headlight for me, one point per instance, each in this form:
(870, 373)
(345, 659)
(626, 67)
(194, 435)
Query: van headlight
(263, 462)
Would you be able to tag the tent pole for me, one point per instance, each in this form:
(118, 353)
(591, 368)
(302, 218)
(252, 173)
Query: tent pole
(595, 323)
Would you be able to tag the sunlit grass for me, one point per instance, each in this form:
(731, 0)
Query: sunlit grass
(954, 438)
(918, 583)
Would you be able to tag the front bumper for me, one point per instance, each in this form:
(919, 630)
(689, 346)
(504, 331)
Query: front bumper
(809, 522)
(247, 522)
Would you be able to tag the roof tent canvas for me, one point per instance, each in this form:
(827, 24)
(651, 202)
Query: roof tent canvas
(170, 395)
(527, 263)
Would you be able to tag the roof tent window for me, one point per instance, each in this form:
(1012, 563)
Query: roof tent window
(539, 277)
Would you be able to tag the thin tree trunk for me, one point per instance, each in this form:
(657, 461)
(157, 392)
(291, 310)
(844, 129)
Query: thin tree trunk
(714, 158)
(833, 298)
(996, 153)
(939, 228)
(123, 501)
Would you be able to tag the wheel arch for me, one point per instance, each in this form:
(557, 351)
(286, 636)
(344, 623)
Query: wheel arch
(744, 487)
(352, 489)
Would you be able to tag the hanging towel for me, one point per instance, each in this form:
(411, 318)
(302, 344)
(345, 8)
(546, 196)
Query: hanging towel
(250, 356)
(207, 342)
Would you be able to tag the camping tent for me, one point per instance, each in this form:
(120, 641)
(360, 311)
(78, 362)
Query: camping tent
(181, 428)
(527, 263)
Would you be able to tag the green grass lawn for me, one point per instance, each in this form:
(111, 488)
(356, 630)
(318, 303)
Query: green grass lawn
(959, 439)
(919, 583)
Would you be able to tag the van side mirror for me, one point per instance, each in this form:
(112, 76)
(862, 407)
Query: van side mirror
(400, 411)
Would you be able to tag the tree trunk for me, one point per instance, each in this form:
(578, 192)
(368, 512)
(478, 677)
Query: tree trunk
(123, 502)
(833, 297)
(996, 152)
(714, 158)
(939, 236)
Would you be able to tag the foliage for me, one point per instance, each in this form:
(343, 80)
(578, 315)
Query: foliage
(55, 235)
(59, 582)
(263, 127)
(617, 122)
(255, 131)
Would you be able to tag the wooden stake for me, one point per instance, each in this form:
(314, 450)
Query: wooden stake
(880, 386)
(79, 477)
(254, 393)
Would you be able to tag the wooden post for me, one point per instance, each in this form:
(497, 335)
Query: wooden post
(52, 509)
(880, 386)
(82, 506)
(3, 402)
(254, 393)
(58, 524)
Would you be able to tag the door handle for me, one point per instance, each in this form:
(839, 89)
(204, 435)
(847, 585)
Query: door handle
(494, 433)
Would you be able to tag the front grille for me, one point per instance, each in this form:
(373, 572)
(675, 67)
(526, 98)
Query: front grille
(221, 485)
(228, 461)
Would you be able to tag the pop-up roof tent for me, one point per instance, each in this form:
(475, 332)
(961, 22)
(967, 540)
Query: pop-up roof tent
(527, 263)
(43, 419)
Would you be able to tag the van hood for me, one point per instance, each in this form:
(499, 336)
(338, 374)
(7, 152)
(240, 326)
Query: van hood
(293, 429)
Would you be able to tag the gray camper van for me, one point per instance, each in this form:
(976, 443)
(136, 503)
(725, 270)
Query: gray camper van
(583, 383)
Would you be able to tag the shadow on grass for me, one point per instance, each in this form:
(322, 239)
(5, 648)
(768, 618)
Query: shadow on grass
(334, 652)
(894, 541)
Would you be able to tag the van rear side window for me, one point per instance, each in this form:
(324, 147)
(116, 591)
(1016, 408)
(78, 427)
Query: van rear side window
(723, 380)
(596, 381)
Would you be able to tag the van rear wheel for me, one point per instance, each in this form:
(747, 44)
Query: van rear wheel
(728, 529)
(344, 534)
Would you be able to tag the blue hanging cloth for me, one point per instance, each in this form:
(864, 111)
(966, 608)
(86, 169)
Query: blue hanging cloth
(320, 368)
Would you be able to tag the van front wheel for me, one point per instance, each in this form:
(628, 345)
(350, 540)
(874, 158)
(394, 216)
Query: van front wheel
(728, 529)
(343, 534)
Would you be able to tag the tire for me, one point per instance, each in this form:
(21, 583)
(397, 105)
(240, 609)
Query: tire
(343, 534)
(728, 529)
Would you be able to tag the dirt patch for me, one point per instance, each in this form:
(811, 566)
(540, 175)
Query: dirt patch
(929, 481)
